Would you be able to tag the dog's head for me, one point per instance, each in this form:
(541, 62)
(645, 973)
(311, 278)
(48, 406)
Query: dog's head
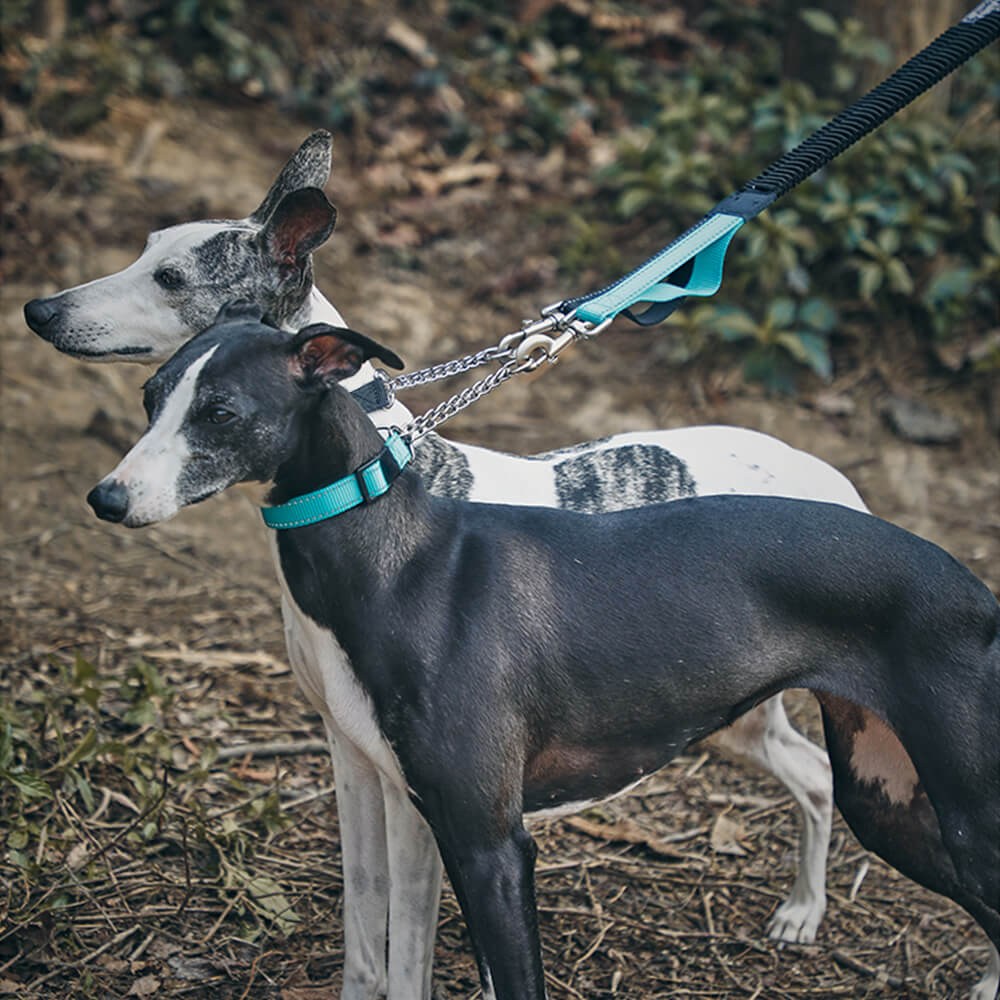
(227, 408)
(186, 273)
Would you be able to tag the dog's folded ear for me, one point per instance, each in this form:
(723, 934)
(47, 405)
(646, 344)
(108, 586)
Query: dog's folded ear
(301, 222)
(240, 309)
(332, 353)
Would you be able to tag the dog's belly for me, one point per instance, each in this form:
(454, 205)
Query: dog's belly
(563, 779)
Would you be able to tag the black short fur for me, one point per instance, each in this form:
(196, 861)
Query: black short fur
(519, 658)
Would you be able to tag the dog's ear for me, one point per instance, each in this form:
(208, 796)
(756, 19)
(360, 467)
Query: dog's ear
(302, 221)
(237, 309)
(308, 167)
(333, 353)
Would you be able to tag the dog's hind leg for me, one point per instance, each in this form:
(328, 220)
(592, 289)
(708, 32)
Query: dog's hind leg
(766, 738)
(414, 894)
(950, 846)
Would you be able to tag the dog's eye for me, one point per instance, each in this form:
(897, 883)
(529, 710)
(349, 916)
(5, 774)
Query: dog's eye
(169, 277)
(220, 415)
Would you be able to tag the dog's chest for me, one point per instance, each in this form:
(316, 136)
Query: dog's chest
(327, 679)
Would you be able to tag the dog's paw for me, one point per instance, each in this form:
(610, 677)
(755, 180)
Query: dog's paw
(797, 921)
(988, 988)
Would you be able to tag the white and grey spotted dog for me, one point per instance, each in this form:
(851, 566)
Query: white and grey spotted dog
(176, 287)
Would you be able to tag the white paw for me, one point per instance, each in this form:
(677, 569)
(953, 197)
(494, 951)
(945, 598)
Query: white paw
(988, 987)
(797, 920)
(985, 989)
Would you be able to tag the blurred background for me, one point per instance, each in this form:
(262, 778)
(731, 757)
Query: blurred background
(489, 159)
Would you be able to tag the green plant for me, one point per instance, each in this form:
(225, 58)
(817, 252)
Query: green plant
(894, 220)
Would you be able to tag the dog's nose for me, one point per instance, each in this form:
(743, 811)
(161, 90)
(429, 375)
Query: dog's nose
(39, 313)
(109, 499)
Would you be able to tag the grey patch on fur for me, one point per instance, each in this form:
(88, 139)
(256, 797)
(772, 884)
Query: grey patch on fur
(445, 470)
(308, 167)
(621, 478)
(227, 266)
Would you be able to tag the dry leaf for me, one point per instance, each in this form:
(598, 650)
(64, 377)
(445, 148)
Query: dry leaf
(726, 835)
(146, 986)
(626, 831)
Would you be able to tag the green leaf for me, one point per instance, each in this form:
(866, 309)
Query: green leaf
(734, 324)
(820, 21)
(30, 785)
(633, 201)
(888, 241)
(84, 750)
(956, 282)
(809, 348)
(899, 277)
(870, 280)
(991, 231)
(818, 315)
(17, 839)
(780, 313)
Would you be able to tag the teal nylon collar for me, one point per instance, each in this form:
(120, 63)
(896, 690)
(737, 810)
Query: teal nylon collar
(363, 485)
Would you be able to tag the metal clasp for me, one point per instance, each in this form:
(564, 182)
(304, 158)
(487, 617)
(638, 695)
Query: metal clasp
(538, 347)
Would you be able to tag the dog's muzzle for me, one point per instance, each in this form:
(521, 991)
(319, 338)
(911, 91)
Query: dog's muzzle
(109, 500)
(39, 314)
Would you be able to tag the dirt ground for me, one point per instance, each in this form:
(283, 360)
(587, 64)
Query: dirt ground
(196, 596)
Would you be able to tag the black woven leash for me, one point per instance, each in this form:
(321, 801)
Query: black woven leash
(929, 66)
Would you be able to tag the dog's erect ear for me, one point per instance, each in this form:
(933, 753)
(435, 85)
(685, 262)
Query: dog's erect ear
(308, 167)
(333, 353)
(302, 221)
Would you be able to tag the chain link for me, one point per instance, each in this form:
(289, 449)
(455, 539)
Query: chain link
(523, 351)
(448, 369)
(426, 422)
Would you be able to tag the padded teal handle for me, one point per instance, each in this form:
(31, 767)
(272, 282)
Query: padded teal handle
(705, 243)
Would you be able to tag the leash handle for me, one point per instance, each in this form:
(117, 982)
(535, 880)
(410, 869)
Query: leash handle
(928, 67)
(692, 264)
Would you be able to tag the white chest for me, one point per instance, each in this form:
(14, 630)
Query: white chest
(324, 672)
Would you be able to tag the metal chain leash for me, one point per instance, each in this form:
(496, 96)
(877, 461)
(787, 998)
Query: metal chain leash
(426, 422)
(447, 369)
(525, 350)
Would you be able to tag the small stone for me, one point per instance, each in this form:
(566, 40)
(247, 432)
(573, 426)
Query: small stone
(920, 423)
(831, 404)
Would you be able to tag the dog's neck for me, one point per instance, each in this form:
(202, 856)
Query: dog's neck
(354, 550)
(334, 438)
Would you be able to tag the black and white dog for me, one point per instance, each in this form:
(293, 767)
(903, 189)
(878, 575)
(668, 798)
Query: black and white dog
(492, 661)
(176, 287)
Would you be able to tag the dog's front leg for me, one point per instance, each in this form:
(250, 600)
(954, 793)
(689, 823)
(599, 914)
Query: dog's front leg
(495, 885)
(361, 813)
(414, 894)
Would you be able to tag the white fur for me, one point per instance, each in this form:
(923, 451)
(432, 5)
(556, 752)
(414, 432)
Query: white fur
(150, 471)
(987, 987)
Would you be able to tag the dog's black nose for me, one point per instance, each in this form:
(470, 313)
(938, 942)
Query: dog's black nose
(39, 313)
(109, 500)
